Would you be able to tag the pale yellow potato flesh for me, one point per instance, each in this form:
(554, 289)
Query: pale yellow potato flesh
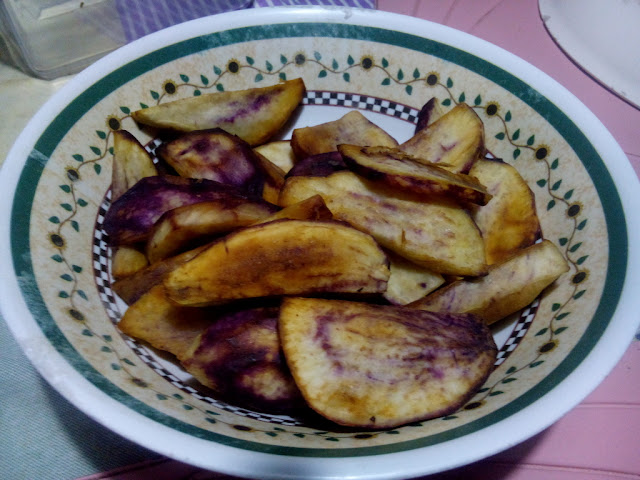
(353, 128)
(409, 282)
(283, 257)
(180, 227)
(508, 287)
(126, 260)
(373, 366)
(131, 162)
(254, 115)
(438, 235)
(455, 140)
(509, 222)
(279, 152)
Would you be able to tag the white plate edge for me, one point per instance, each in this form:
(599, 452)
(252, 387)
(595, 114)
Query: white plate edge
(595, 67)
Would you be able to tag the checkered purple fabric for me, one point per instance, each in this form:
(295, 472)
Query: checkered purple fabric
(141, 17)
(336, 3)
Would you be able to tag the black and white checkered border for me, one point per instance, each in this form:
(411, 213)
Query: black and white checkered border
(361, 102)
(102, 263)
(151, 148)
(519, 331)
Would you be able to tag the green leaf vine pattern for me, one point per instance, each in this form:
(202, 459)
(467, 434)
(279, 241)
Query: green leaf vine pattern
(281, 67)
(66, 219)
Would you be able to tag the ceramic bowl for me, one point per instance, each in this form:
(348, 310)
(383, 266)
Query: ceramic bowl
(56, 283)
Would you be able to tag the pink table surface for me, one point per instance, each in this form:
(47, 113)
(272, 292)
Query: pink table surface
(599, 438)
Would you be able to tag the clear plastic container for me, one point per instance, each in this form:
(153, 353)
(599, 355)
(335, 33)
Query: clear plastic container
(52, 38)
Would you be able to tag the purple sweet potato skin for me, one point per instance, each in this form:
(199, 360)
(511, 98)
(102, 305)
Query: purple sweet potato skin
(215, 155)
(239, 345)
(424, 116)
(130, 218)
(320, 165)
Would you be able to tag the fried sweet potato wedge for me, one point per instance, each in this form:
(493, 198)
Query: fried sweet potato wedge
(132, 287)
(438, 235)
(409, 282)
(188, 226)
(126, 260)
(131, 162)
(163, 324)
(254, 114)
(399, 170)
(508, 287)
(372, 366)
(510, 221)
(239, 356)
(215, 155)
(353, 128)
(130, 218)
(278, 152)
(283, 257)
(455, 140)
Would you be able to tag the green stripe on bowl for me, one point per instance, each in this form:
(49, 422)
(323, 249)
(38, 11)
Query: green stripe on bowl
(53, 134)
